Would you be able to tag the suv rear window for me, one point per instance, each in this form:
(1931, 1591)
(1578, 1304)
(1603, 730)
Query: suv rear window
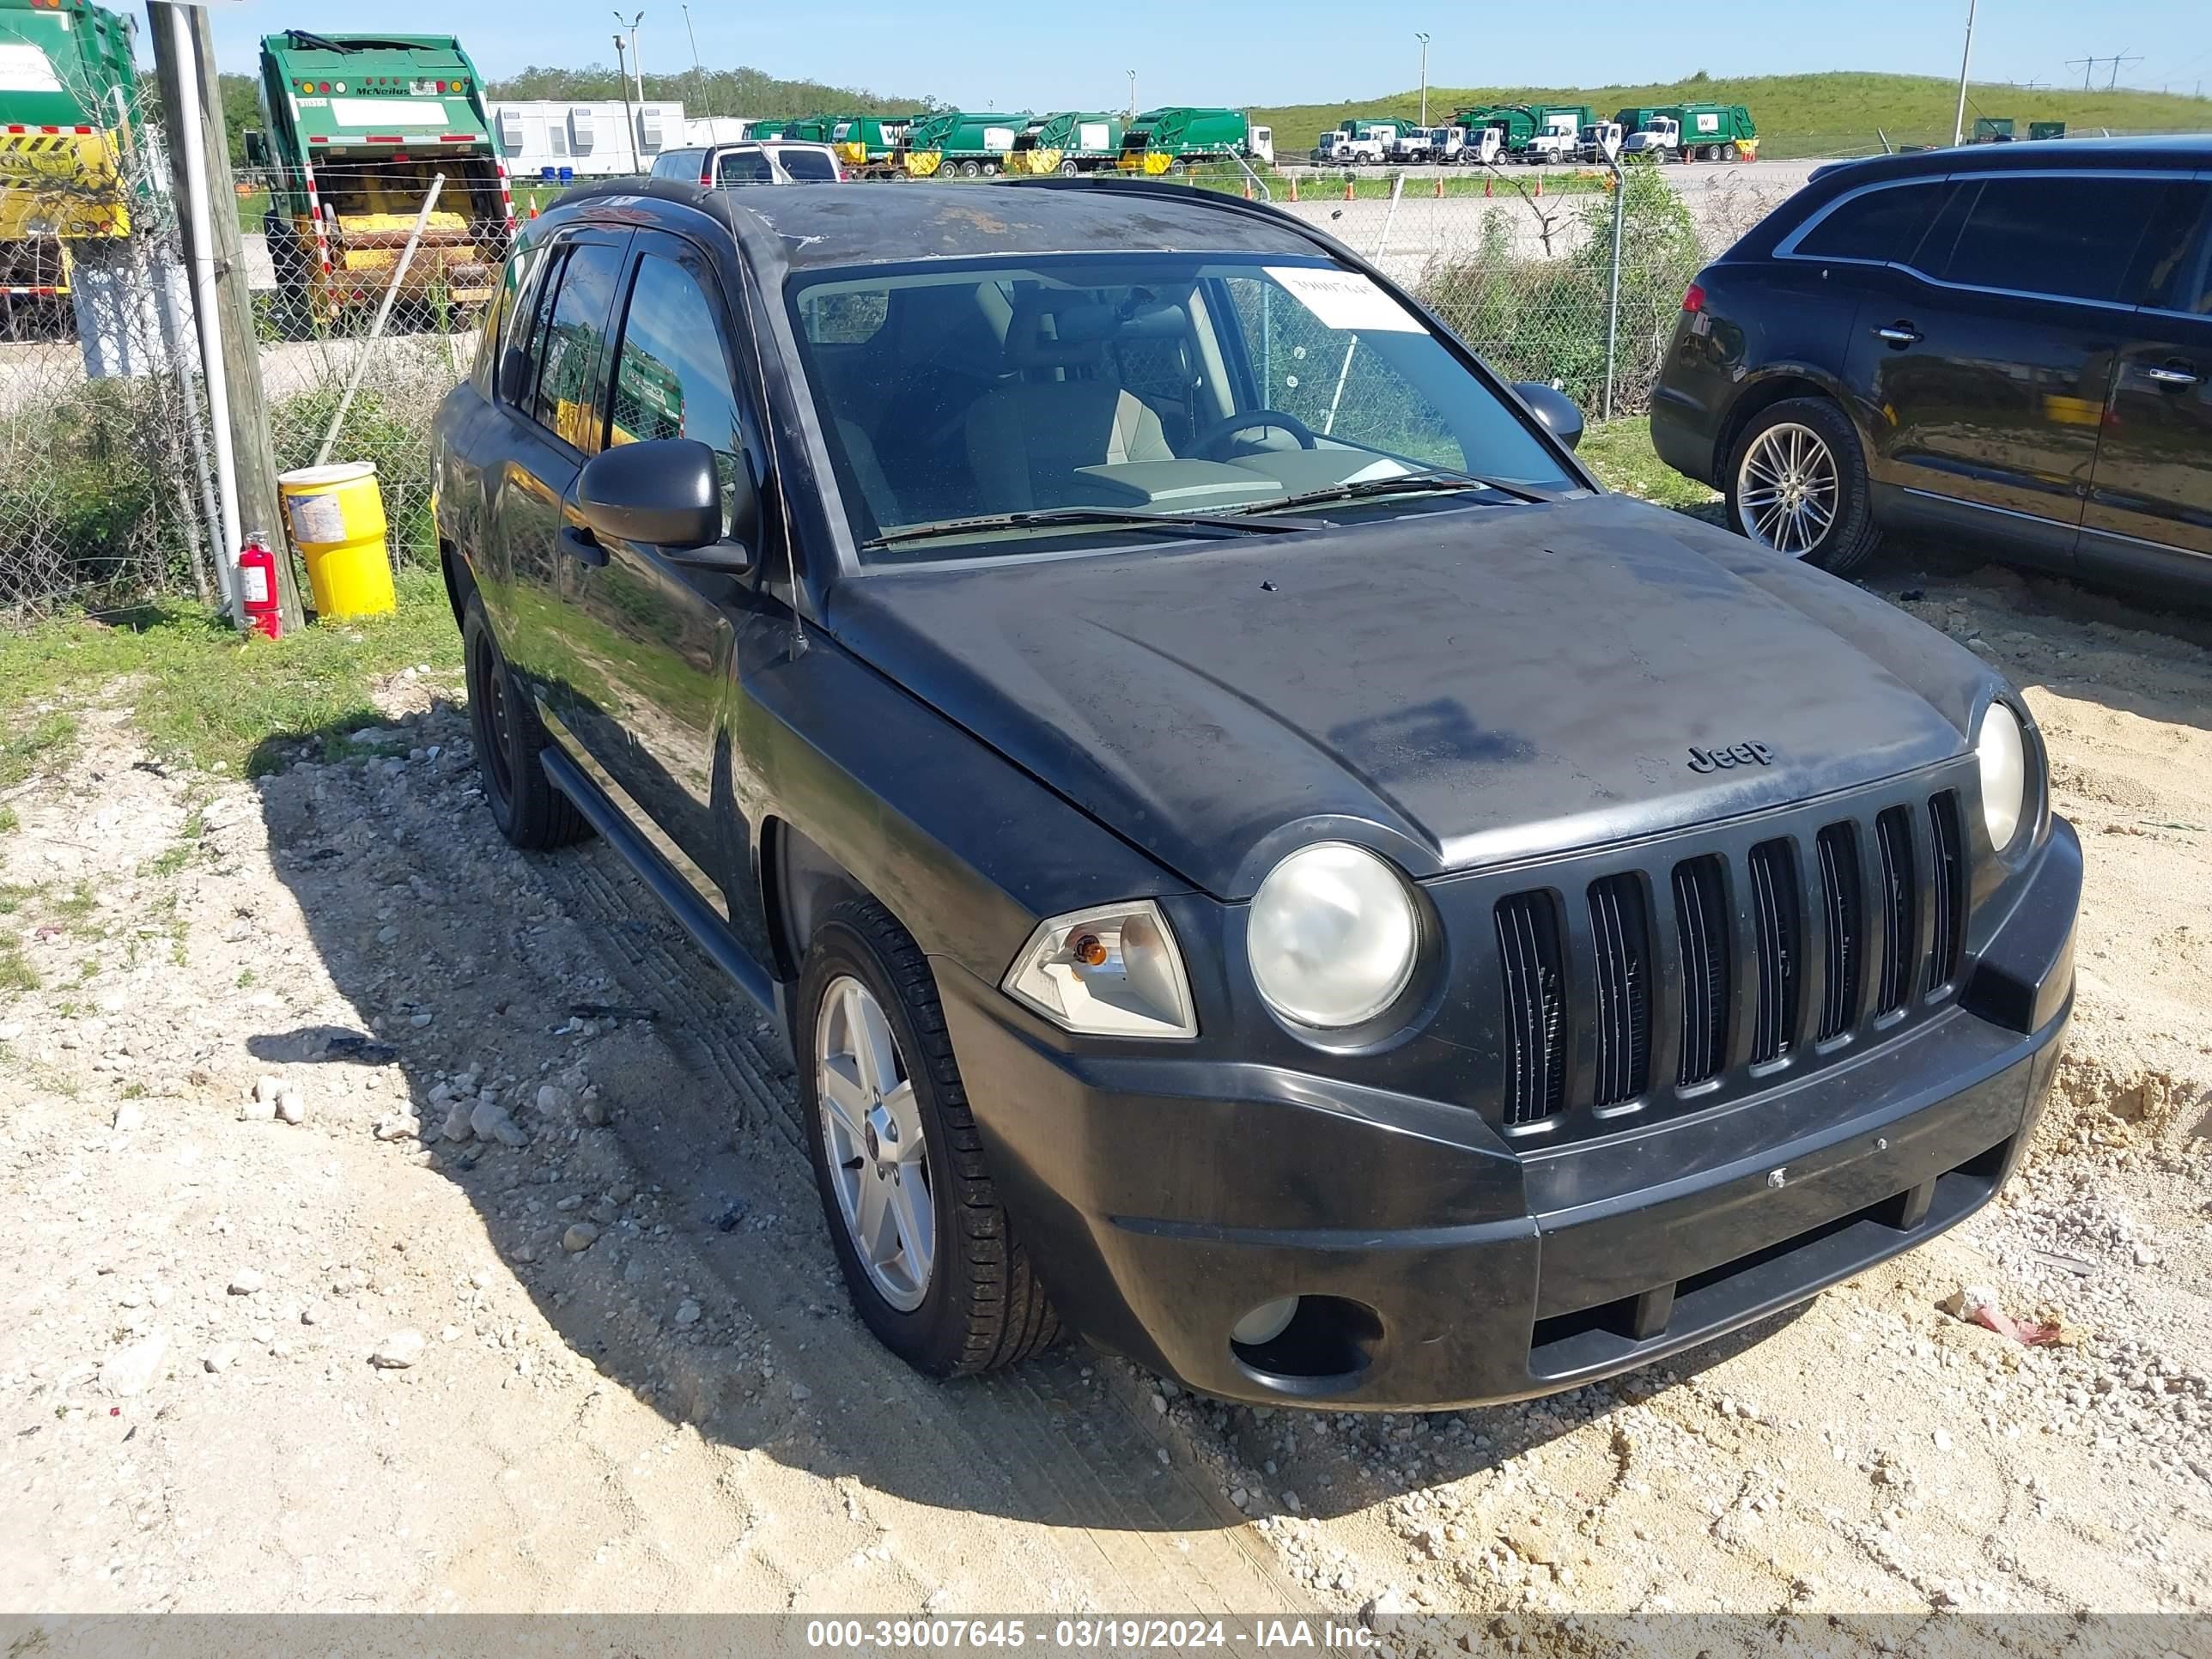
(684, 164)
(2060, 236)
(808, 166)
(1880, 226)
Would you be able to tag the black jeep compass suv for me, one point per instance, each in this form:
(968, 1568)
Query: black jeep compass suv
(2013, 345)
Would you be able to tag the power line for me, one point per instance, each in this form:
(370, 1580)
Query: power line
(2088, 67)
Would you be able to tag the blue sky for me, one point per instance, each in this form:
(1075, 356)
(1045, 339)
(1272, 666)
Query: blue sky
(1289, 52)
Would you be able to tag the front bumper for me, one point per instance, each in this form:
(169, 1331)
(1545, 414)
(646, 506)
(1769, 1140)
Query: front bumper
(1164, 1198)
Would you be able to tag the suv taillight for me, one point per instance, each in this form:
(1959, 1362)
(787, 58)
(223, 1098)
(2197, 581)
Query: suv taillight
(1693, 298)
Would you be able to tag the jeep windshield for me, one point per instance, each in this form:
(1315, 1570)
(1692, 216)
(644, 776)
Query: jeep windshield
(969, 405)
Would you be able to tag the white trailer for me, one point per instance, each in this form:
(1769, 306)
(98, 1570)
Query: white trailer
(540, 138)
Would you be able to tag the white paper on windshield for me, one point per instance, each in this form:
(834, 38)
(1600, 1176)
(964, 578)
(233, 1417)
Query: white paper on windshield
(1345, 299)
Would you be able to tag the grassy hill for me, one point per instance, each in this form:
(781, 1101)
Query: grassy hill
(1842, 113)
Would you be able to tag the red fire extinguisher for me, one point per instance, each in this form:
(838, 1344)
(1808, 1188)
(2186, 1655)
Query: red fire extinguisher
(257, 587)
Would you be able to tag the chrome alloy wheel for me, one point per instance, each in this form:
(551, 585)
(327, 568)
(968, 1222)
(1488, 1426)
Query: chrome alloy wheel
(1786, 489)
(871, 1129)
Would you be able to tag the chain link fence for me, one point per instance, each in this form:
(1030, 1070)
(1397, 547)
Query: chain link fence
(105, 488)
(105, 476)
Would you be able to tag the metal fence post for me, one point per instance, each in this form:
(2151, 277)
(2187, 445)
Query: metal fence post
(1613, 295)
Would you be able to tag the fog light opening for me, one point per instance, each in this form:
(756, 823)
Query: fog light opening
(1322, 1344)
(1265, 1323)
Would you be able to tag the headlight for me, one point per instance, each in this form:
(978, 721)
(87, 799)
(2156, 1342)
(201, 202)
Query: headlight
(1332, 936)
(1113, 971)
(2001, 748)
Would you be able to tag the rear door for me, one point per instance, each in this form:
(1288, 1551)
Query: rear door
(2150, 516)
(667, 642)
(1987, 355)
(548, 397)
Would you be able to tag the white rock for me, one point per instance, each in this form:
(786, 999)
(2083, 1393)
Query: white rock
(290, 1107)
(314, 1314)
(397, 1129)
(459, 1125)
(220, 1358)
(128, 1117)
(418, 1021)
(246, 1281)
(800, 1391)
(580, 1236)
(266, 1089)
(687, 1312)
(1942, 1440)
(258, 1111)
(550, 1099)
(491, 1122)
(135, 1368)
(1382, 1613)
(398, 1351)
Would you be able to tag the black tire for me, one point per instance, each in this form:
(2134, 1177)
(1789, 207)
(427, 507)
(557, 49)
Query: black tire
(530, 811)
(984, 1307)
(1852, 535)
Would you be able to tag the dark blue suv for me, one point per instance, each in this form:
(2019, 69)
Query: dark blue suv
(2010, 343)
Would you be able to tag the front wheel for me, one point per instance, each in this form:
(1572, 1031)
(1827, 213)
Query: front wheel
(1796, 485)
(928, 1255)
(509, 738)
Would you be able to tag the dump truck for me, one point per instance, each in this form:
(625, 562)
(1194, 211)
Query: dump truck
(1067, 142)
(966, 141)
(1170, 139)
(357, 126)
(868, 143)
(68, 120)
(2046, 130)
(1716, 132)
(1558, 135)
(1514, 124)
(1993, 128)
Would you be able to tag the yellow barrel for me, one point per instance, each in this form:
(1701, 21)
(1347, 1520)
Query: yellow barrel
(336, 517)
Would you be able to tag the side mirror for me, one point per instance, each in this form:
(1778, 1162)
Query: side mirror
(257, 148)
(667, 493)
(1553, 408)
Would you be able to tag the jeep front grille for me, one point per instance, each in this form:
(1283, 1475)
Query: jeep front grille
(1658, 983)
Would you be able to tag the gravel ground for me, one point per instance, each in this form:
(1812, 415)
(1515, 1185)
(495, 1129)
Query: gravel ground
(398, 1222)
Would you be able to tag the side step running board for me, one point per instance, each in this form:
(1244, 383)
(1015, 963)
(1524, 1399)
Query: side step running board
(702, 924)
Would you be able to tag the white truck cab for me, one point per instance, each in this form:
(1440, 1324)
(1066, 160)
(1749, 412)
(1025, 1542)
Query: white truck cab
(1661, 138)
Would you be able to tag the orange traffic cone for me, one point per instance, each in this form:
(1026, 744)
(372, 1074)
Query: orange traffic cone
(533, 210)
(1440, 187)
(1540, 185)
(1485, 190)
(1347, 190)
(1294, 187)
(1248, 190)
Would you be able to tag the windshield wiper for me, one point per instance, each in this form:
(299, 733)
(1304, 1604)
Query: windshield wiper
(1045, 518)
(1430, 481)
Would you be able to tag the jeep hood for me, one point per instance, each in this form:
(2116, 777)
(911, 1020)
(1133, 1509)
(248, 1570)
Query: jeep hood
(1459, 688)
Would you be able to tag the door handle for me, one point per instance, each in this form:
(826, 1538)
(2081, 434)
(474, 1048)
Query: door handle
(581, 545)
(2172, 374)
(1898, 334)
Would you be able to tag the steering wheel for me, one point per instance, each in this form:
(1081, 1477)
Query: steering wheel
(1216, 437)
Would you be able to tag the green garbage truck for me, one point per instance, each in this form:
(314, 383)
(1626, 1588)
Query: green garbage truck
(68, 119)
(1170, 139)
(1514, 124)
(966, 141)
(357, 127)
(867, 143)
(1067, 142)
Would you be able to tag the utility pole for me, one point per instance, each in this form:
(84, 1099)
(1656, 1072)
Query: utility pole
(2118, 60)
(1133, 94)
(629, 116)
(1424, 40)
(191, 106)
(1958, 122)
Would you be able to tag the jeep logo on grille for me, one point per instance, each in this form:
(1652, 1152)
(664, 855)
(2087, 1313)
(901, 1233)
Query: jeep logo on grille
(1719, 760)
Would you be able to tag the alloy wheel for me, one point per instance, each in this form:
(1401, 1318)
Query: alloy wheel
(1786, 489)
(488, 695)
(879, 1156)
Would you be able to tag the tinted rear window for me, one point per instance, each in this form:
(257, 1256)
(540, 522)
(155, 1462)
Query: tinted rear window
(1879, 226)
(807, 164)
(2074, 238)
(678, 164)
